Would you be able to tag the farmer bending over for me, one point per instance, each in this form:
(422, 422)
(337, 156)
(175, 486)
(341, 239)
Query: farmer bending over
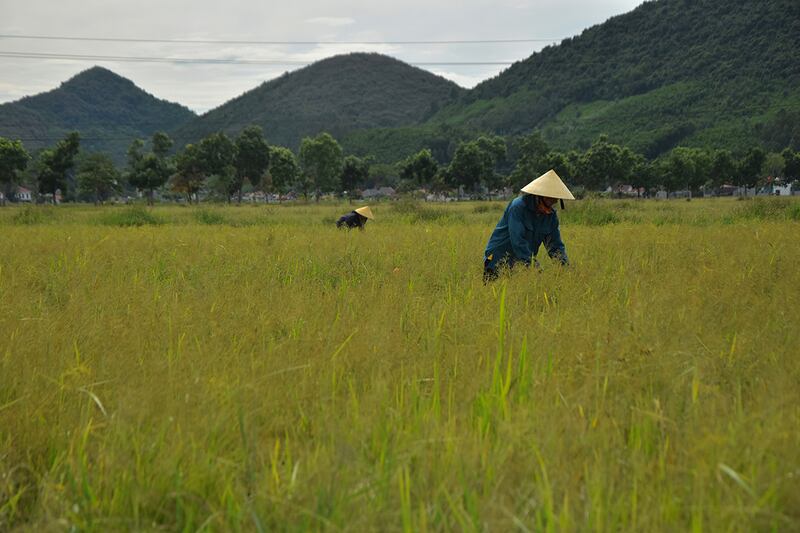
(529, 221)
(355, 219)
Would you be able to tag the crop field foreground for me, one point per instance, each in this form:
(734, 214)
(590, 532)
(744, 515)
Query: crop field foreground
(255, 369)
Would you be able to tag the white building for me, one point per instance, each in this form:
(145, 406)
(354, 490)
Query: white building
(782, 190)
(23, 195)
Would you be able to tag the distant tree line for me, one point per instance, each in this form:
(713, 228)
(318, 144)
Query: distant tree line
(222, 167)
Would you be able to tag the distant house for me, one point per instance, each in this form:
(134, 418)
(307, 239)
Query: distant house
(48, 197)
(438, 197)
(733, 190)
(776, 187)
(254, 197)
(23, 195)
(627, 190)
(782, 190)
(382, 192)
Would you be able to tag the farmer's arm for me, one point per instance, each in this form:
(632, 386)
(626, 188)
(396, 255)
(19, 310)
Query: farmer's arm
(555, 246)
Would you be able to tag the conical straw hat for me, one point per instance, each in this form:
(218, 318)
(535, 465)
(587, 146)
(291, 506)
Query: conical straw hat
(365, 211)
(549, 185)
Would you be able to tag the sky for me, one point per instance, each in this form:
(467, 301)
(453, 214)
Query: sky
(305, 30)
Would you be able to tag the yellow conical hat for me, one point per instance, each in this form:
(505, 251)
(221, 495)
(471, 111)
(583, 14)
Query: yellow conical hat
(365, 211)
(549, 185)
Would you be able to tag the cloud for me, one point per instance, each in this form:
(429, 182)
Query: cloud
(331, 21)
(464, 80)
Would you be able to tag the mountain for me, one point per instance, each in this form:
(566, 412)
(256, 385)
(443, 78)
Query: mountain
(108, 110)
(710, 73)
(339, 95)
(694, 72)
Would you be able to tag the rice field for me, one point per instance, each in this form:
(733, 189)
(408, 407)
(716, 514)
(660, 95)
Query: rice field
(223, 368)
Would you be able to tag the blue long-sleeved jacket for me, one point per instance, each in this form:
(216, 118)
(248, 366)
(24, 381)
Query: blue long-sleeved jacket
(521, 231)
(352, 220)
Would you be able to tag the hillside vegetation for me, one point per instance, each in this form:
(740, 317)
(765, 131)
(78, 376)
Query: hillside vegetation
(705, 73)
(670, 72)
(108, 110)
(339, 95)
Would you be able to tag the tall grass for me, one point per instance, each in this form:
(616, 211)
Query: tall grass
(289, 376)
(130, 216)
(768, 209)
(414, 211)
(29, 215)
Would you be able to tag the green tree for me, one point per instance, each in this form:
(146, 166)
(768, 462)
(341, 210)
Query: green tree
(162, 144)
(791, 164)
(419, 169)
(644, 175)
(97, 176)
(355, 171)
(773, 165)
(605, 164)
(471, 166)
(440, 181)
(149, 171)
(252, 158)
(496, 148)
(54, 164)
(750, 167)
(189, 176)
(383, 175)
(723, 168)
(13, 159)
(321, 162)
(217, 154)
(283, 169)
(687, 167)
(474, 164)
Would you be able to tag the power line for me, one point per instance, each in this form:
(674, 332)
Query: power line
(48, 55)
(210, 61)
(103, 139)
(288, 43)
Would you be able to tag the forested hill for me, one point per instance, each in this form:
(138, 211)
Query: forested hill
(108, 110)
(339, 95)
(709, 72)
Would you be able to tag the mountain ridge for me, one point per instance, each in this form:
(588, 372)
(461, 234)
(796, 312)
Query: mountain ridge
(108, 110)
(670, 72)
(339, 94)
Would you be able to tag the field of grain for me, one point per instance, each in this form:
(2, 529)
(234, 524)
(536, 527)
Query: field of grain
(253, 368)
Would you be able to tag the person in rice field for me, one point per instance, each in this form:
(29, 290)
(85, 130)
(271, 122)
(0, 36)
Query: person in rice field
(355, 219)
(529, 221)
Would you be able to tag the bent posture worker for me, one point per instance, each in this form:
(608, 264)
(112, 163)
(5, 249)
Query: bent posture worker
(355, 219)
(529, 221)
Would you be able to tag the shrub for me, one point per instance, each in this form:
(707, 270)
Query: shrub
(30, 215)
(206, 216)
(132, 216)
(416, 212)
(768, 209)
(488, 207)
(589, 213)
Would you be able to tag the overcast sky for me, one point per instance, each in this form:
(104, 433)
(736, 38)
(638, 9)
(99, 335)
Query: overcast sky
(204, 86)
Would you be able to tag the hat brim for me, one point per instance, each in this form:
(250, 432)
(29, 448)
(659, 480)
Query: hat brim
(548, 185)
